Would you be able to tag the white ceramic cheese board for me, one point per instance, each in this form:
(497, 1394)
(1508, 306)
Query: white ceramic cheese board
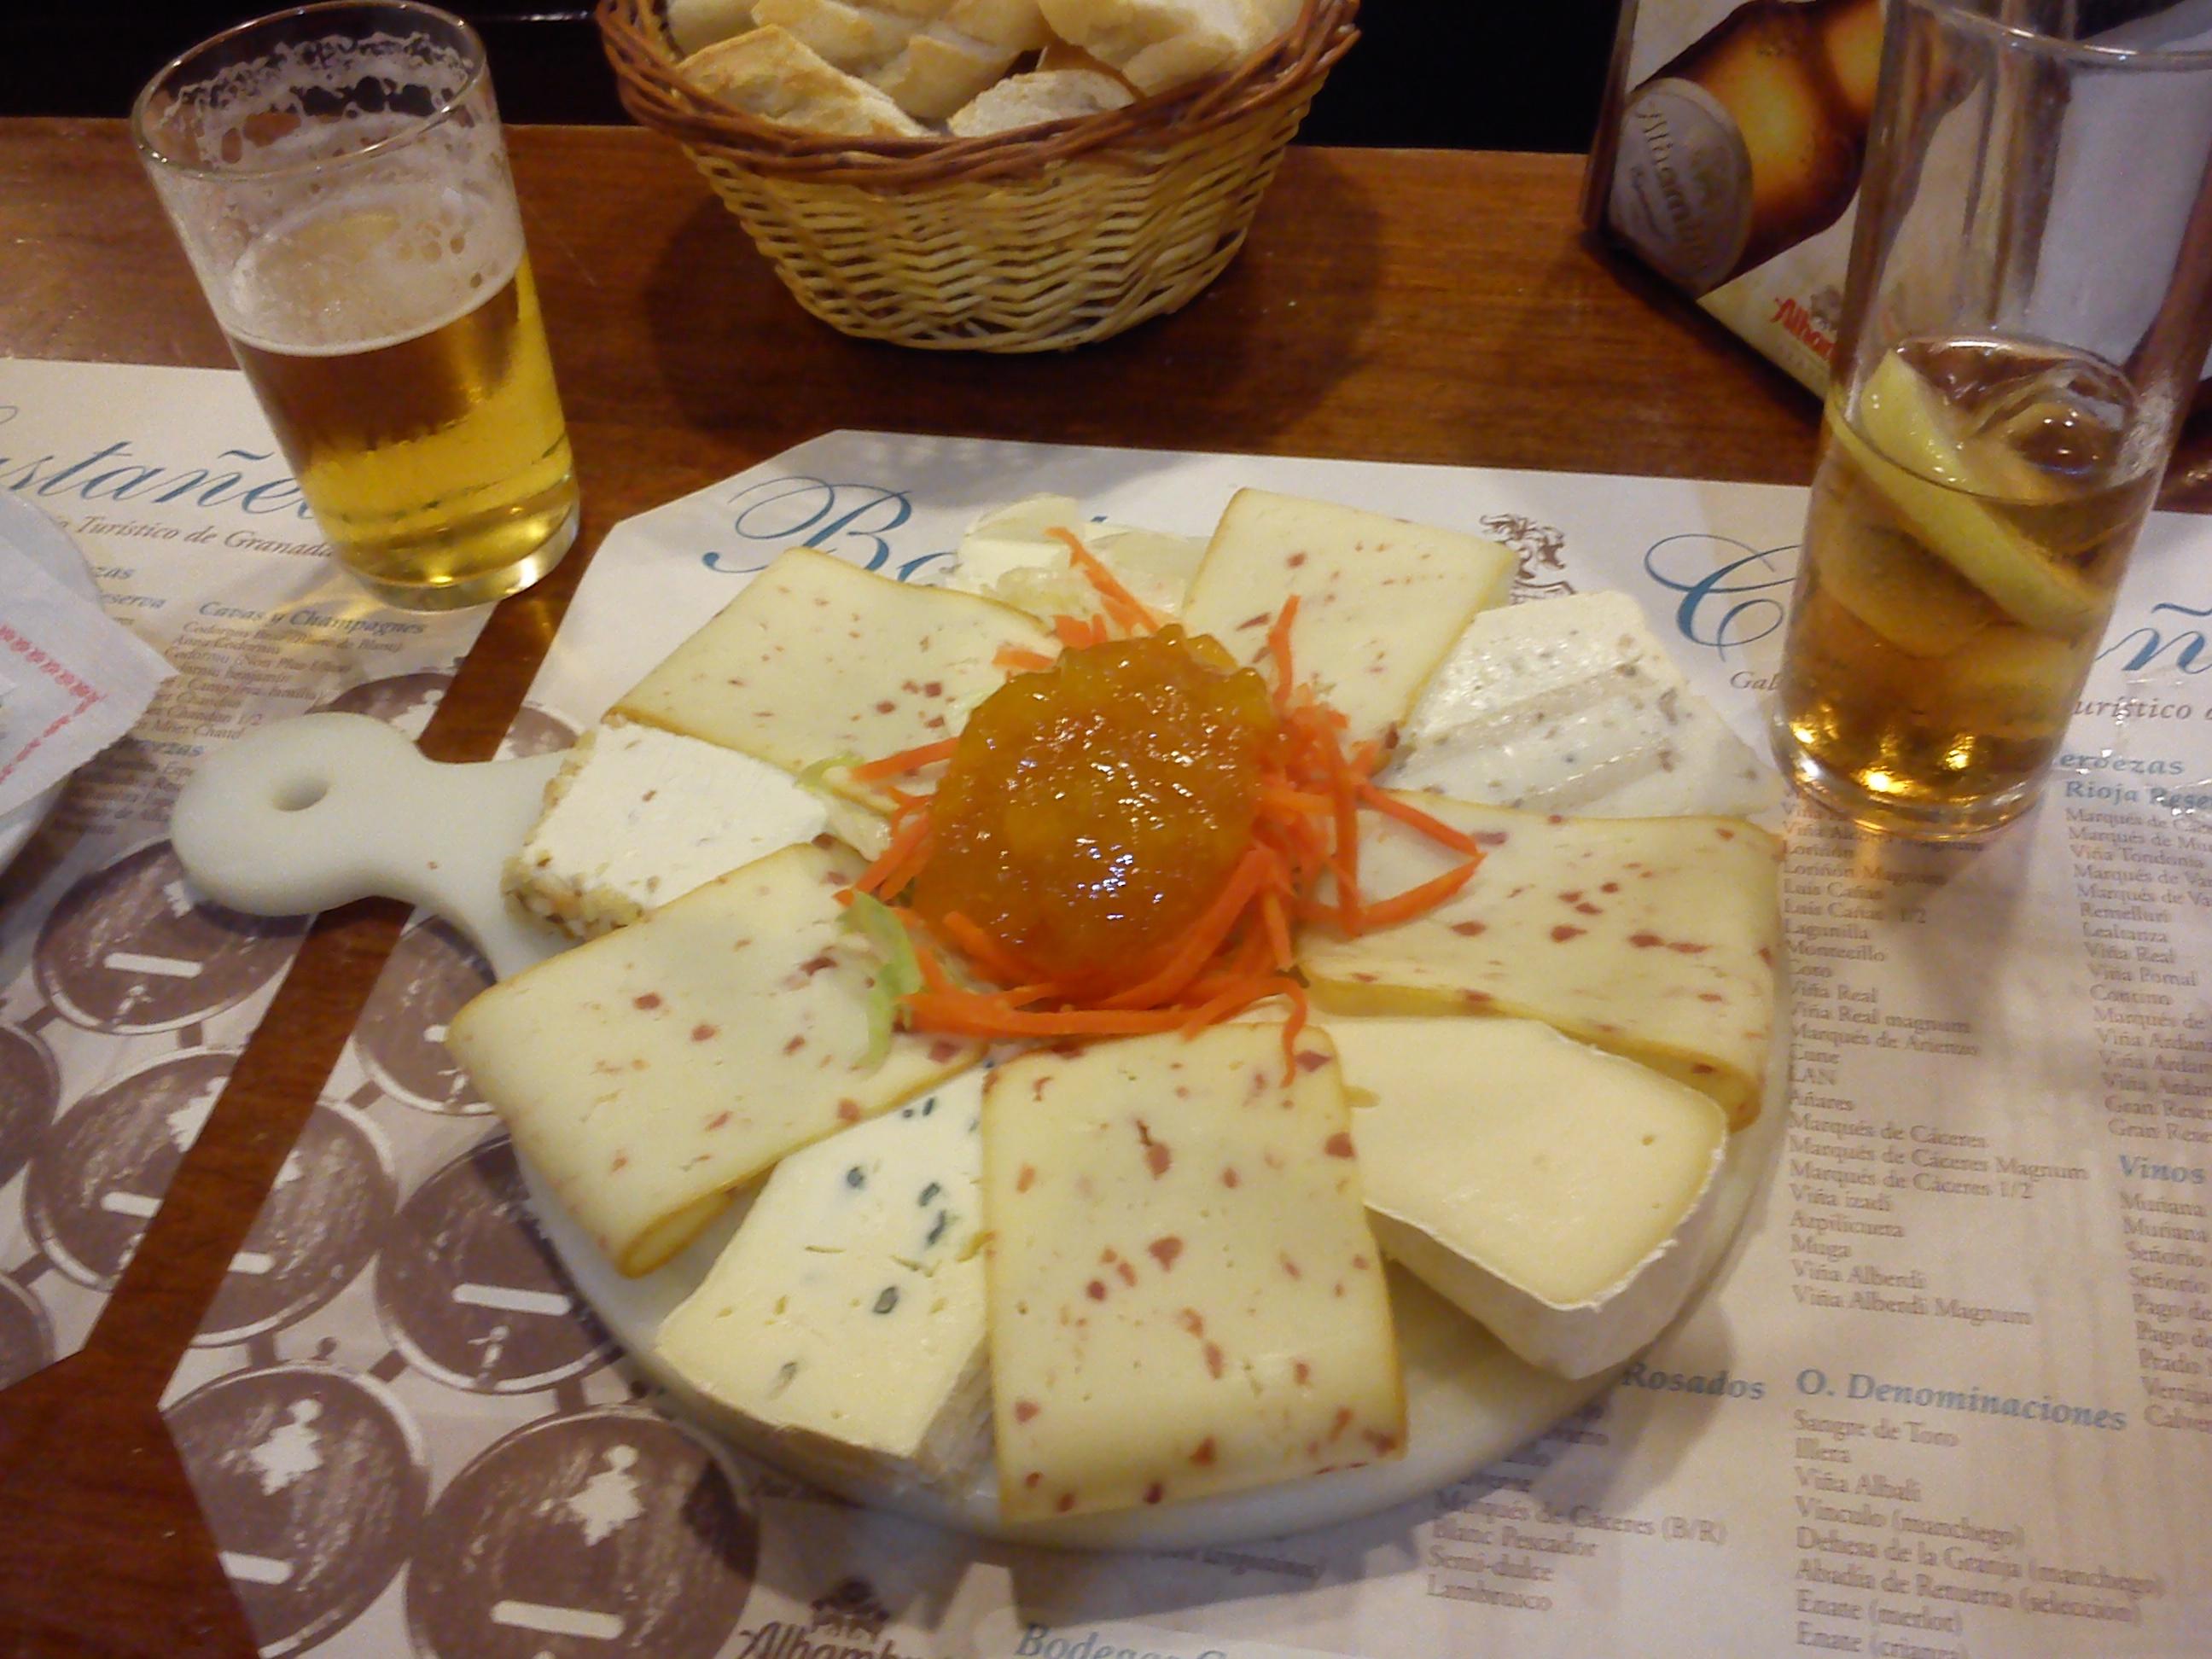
(328, 808)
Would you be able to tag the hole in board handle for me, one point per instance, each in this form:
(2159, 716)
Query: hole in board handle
(297, 794)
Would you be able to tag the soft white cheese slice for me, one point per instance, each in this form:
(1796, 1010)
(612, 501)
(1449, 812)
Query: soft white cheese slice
(1010, 554)
(636, 817)
(1380, 601)
(1555, 1193)
(648, 1072)
(848, 1311)
(816, 658)
(1573, 705)
(1653, 937)
(1185, 1295)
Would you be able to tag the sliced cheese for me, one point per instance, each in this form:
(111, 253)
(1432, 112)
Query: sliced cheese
(649, 1071)
(1555, 1193)
(817, 659)
(1653, 937)
(1010, 553)
(1571, 705)
(1379, 601)
(848, 1311)
(1185, 1295)
(636, 817)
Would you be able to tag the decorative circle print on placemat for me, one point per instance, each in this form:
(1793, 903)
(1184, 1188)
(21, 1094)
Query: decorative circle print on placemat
(27, 1335)
(406, 701)
(99, 1173)
(401, 1040)
(606, 1532)
(131, 950)
(328, 1208)
(537, 732)
(469, 1289)
(30, 1095)
(313, 1483)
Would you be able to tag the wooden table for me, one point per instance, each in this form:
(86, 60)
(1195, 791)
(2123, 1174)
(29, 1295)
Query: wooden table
(1400, 306)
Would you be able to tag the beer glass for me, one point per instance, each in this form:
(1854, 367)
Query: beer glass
(2025, 322)
(336, 176)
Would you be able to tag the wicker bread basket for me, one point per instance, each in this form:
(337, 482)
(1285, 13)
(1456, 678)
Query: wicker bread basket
(1033, 241)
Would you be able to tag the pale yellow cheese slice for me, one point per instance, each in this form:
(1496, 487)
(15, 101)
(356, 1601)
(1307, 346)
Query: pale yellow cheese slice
(1380, 601)
(1555, 1193)
(1185, 1297)
(1654, 938)
(816, 658)
(649, 1071)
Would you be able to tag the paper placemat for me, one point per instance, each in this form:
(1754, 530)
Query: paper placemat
(1948, 1397)
(124, 1000)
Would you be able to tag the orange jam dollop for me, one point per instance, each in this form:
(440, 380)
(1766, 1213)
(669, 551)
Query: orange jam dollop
(1094, 809)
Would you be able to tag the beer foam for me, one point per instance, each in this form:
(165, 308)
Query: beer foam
(362, 270)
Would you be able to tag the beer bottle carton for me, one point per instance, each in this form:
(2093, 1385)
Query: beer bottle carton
(1727, 157)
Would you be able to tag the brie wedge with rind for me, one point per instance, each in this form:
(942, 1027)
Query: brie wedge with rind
(1652, 938)
(649, 1071)
(848, 1311)
(1571, 705)
(1556, 1193)
(1010, 555)
(816, 658)
(1380, 601)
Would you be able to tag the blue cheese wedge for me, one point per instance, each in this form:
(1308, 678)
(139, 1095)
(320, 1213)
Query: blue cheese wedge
(1185, 1295)
(817, 659)
(1571, 705)
(648, 1072)
(636, 817)
(1010, 553)
(1558, 1194)
(1380, 601)
(1653, 937)
(848, 1312)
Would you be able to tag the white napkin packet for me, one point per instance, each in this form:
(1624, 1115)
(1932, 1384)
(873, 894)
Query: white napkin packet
(72, 681)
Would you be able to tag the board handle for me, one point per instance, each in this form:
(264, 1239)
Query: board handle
(325, 809)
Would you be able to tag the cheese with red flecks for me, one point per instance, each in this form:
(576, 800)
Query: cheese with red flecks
(1185, 1297)
(1653, 937)
(817, 659)
(1380, 601)
(648, 1072)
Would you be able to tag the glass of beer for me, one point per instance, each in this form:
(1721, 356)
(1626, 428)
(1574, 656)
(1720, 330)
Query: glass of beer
(336, 176)
(2026, 321)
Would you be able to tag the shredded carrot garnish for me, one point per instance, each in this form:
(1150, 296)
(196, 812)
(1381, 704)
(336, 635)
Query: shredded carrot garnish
(1019, 660)
(1240, 950)
(906, 760)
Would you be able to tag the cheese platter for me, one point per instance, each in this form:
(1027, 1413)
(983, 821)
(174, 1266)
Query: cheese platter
(1008, 1256)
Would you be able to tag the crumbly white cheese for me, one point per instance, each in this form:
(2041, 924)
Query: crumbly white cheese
(1380, 601)
(1654, 938)
(648, 1072)
(636, 817)
(1555, 1193)
(1185, 1297)
(848, 1311)
(1571, 705)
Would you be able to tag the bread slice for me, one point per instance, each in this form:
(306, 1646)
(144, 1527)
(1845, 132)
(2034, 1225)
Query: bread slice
(695, 24)
(941, 70)
(1042, 95)
(771, 73)
(855, 39)
(1158, 44)
(1012, 25)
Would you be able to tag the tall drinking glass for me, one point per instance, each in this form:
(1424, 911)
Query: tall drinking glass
(336, 176)
(2025, 323)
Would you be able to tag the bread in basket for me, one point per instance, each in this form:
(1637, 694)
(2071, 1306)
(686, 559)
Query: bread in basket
(1032, 240)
